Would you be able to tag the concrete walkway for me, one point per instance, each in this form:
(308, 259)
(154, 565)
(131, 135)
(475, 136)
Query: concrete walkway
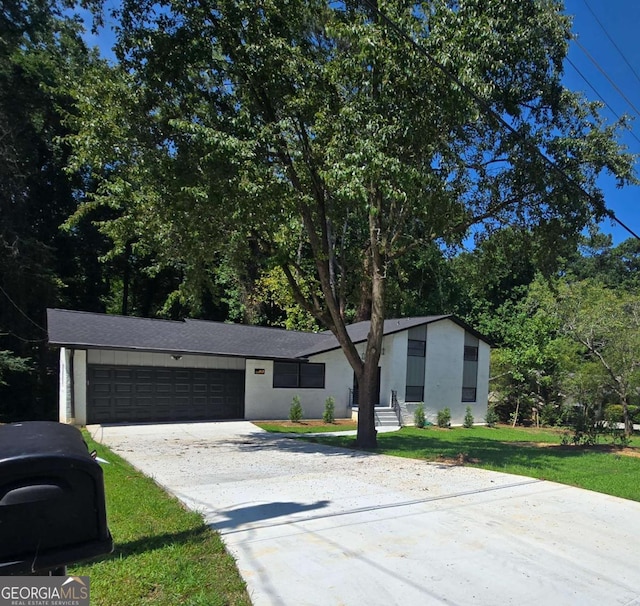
(321, 526)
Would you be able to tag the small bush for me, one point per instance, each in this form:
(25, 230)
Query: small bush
(295, 412)
(491, 418)
(329, 414)
(419, 418)
(444, 417)
(468, 418)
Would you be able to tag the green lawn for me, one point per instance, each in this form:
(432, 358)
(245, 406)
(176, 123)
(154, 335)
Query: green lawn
(306, 426)
(535, 453)
(164, 554)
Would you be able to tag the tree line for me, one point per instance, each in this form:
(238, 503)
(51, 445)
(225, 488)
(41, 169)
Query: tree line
(308, 164)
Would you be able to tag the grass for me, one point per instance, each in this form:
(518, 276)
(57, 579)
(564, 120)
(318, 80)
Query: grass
(164, 554)
(536, 453)
(310, 426)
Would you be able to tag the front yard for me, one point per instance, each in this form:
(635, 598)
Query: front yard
(537, 453)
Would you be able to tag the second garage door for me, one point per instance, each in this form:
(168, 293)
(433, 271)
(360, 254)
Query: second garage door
(146, 394)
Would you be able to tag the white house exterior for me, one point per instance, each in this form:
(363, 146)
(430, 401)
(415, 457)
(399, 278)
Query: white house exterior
(123, 369)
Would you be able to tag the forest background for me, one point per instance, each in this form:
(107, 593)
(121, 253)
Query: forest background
(559, 301)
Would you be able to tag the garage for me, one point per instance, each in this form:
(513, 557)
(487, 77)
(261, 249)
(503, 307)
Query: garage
(146, 393)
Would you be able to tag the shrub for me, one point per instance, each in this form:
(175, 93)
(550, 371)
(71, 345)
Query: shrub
(329, 414)
(491, 418)
(468, 418)
(295, 412)
(418, 416)
(444, 418)
(613, 413)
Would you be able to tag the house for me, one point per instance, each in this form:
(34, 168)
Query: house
(127, 369)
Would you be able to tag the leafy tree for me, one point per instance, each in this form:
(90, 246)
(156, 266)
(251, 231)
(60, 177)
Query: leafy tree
(606, 324)
(318, 136)
(532, 357)
(614, 266)
(40, 52)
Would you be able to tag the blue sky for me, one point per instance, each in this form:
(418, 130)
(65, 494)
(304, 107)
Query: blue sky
(620, 21)
(595, 21)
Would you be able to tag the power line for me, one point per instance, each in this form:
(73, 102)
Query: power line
(606, 33)
(484, 105)
(4, 292)
(593, 88)
(604, 73)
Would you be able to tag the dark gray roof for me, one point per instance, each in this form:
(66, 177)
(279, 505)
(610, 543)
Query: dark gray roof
(101, 331)
(359, 331)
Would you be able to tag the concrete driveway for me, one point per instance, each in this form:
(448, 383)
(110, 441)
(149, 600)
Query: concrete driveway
(314, 525)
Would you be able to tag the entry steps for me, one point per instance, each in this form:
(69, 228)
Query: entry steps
(386, 417)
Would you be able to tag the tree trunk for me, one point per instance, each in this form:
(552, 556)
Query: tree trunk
(367, 434)
(515, 416)
(628, 425)
(126, 279)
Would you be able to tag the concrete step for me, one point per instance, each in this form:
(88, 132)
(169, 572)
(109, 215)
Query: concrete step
(386, 417)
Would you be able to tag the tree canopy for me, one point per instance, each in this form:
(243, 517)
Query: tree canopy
(331, 139)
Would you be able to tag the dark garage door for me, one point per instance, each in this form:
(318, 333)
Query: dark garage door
(142, 393)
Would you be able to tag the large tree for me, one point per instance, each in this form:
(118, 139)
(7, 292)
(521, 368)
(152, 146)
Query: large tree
(332, 139)
(41, 52)
(606, 324)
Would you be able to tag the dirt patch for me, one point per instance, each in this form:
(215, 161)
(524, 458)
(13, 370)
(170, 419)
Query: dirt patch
(462, 458)
(310, 423)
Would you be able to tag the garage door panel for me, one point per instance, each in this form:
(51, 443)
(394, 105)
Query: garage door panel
(122, 394)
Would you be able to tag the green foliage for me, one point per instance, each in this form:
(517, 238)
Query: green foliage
(295, 411)
(419, 418)
(41, 53)
(468, 418)
(491, 418)
(444, 417)
(614, 413)
(329, 416)
(306, 136)
(12, 363)
(605, 325)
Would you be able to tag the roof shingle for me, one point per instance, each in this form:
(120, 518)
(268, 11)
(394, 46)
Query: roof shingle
(101, 331)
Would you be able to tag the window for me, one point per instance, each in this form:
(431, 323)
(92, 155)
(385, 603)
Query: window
(470, 368)
(468, 394)
(298, 374)
(312, 375)
(416, 348)
(414, 393)
(470, 353)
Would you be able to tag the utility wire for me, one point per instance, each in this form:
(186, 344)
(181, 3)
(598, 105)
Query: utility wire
(604, 73)
(4, 292)
(484, 106)
(593, 88)
(606, 33)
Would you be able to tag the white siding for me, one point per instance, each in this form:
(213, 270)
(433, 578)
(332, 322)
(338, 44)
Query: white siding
(64, 387)
(444, 373)
(164, 360)
(394, 367)
(73, 361)
(263, 401)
